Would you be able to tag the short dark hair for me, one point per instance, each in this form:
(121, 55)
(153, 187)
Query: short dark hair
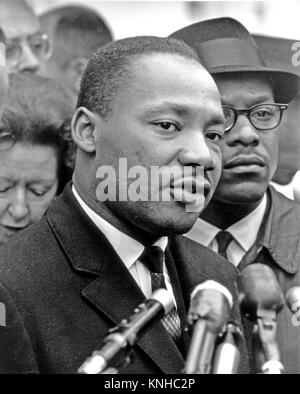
(39, 111)
(110, 66)
(75, 31)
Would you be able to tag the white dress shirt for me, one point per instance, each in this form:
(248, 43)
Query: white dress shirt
(244, 233)
(128, 249)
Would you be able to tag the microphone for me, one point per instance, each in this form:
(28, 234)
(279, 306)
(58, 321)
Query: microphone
(259, 290)
(261, 299)
(293, 302)
(293, 298)
(209, 310)
(123, 337)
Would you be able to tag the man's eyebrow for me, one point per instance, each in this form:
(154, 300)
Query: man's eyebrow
(178, 109)
(258, 99)
(217, 119)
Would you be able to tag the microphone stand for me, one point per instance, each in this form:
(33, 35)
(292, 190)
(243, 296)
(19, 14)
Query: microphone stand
(227, 354)
(265, 346)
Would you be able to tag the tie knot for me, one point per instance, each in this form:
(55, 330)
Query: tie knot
(153, 258)
(223, 238)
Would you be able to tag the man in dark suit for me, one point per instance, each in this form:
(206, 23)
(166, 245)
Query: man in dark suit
(80, 270)
(247, 220)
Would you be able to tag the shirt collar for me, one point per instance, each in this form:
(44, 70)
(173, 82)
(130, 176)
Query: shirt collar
(203, 232)
(244, 231)
(128, 249)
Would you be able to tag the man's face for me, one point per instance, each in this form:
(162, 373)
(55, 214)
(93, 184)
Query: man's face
(22, 30)
(169, 114)
(249, 155)
(28, 183)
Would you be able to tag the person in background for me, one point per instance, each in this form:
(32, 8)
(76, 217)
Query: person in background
(36, 155)
(278, 51)
(247, 220)
(76, 32)
(27, 48)
(3, 72)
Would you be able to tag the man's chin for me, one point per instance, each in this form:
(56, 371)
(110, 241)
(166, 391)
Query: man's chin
(240, 195)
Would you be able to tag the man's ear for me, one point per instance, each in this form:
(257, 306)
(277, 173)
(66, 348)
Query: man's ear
(83, 129)
(75, 70)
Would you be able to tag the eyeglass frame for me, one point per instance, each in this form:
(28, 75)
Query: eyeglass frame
(247, 111)
(26, 39)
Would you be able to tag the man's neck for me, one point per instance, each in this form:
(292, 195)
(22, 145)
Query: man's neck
(103, 210)
(224, 215)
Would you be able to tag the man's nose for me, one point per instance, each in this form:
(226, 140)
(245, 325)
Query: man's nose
(243, 133)
(18, 207)
(196, 152)
(28, 61)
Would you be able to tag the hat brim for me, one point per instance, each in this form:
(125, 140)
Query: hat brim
(286, 84)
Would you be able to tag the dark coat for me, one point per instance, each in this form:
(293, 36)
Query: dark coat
(278, 246)
(63, 287)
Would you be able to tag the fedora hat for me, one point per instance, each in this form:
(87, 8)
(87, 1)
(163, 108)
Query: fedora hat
(224, 45)
(278, 52)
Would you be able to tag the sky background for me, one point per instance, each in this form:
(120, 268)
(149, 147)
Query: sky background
(130, 18)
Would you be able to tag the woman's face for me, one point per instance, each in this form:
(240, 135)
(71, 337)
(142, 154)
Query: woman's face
(28, 183)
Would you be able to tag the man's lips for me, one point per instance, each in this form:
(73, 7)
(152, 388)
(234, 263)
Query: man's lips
(12, 229)
(192, 185)
(190, 191)
(244, 161)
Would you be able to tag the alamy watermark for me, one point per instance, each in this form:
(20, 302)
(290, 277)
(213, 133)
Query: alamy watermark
(184, 184)
(296, 56)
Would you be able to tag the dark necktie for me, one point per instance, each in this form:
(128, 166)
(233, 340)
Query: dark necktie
(153, 259)
(223, 238)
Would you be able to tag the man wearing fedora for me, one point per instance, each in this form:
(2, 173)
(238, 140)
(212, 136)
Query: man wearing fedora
(248, 221)
(279, 51)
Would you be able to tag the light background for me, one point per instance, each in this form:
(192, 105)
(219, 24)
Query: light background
(130, 18)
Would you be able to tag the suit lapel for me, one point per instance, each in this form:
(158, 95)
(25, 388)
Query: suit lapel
(114, 292)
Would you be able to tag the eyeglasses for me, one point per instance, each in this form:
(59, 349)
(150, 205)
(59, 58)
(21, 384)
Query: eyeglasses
(39, 44)
(261, 116)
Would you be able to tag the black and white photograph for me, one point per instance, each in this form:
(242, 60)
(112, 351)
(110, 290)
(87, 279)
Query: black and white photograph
(149, 190)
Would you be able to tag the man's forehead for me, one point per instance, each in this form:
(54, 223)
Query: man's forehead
(17, 20)
(165, 68)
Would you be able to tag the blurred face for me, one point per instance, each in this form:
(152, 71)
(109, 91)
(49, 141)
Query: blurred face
(289, 143)
(3, 77)
(249, 155)
(169, 114)
(28, 183)
(22, 30)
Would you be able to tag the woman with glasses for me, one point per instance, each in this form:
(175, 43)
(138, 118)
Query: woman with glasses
(36, 151)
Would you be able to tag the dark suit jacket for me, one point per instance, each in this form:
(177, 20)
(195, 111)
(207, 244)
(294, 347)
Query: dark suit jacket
(278, 246)
(63, 287)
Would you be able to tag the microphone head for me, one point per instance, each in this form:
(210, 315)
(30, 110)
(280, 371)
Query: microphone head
(293, 298)
(259, 289)
(164, 297)
(210, 301)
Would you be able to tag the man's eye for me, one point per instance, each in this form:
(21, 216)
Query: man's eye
(214, 136)
(167, 126)
(38, 193)
(4, 189)
(262, 114)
